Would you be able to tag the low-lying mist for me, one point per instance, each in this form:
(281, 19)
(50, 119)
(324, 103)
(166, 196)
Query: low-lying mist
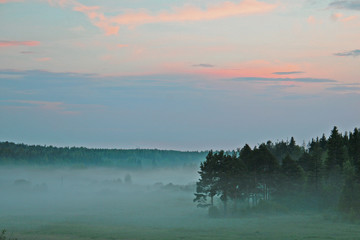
(112, 203)
(151, 197)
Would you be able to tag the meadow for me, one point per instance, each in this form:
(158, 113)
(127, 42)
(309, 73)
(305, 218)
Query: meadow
(97, 203)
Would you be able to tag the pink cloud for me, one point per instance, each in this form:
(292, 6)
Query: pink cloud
(311, 20)
(58, 107)
(340, 17)
(44, 59)
(259, 68)
(83, 8)
(122, 45)
(18, 43)
(27, 52)
(348, 19)
(314, 21)
(108, 28)
(44, 104)
(106, 57)
(97, 18)
(191, 13)
(111, 24)
(62, 3)
(7, 1)
(336, 16)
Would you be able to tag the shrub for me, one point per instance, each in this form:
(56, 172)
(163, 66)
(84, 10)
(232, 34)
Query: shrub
(3, 236)
(128, 179)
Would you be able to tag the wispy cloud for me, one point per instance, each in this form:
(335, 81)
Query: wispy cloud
(287, 73)
(205, 65)
(311, 20)
(344, 88)
(191, 13)
(340, 17)
(18, 43)
(9, 76)
(7, 1)
(43, 59)
(43, 104)
(348, 19)
(280, 87)
(58, 107)
(111, 24)
(27, 52)
(351, 5)
(336, 16)
(302, 80)
(122, 45)
(353, 53)
(62, 3)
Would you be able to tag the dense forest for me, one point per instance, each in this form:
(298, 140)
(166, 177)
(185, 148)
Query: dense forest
(22, 154)
(282, 176)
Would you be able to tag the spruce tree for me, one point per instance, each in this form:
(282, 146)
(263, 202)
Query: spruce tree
(336, 153)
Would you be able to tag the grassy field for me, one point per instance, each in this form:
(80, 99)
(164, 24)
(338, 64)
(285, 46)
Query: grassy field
(93, 204)
(275, 227)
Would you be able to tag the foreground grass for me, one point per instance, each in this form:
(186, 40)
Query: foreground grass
(259, 227)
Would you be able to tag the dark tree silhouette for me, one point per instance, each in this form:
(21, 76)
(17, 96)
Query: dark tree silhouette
(326, 174)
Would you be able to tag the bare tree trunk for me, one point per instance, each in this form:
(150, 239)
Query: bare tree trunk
(235, 203)
(266, 192)
(225, 203)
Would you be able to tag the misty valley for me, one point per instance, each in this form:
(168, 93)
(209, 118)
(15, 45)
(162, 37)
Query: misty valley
(95, 196)
(272, 191)
(97, 203)
(185, 120)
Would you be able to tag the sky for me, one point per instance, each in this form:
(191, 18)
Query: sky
(184, 75)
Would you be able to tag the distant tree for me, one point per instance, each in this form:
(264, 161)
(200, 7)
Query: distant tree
(232, 173)
(16, 154)
(222, 174)
(250, 181)
(305, 161)
(3, 236)
(207, 184)
(292, 144)
(266, 169)
(354, 149)
(325, 174)
(224, 183)
(292, 175)
(238, 178)
(246, 155)
(323, 142)
(291, 169)
(336, 153)
(316, 165)
(333, 178)
(279, 149)
(127, 179)
(350, 196)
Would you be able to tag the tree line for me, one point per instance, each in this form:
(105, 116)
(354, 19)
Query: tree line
(23, 154)
(325, 174)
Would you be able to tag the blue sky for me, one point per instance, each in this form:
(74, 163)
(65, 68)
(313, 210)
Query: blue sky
(188, 75)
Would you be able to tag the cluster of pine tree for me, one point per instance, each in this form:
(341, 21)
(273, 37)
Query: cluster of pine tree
(323, 175)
